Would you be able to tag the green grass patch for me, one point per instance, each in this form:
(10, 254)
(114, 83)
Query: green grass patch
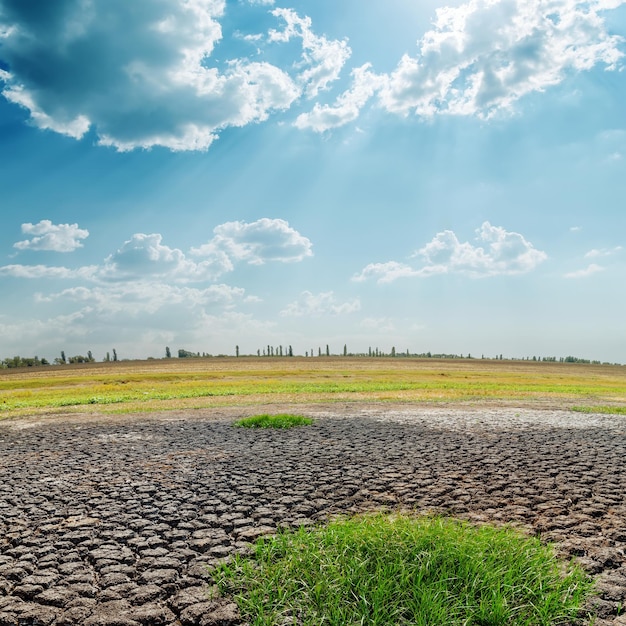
(612, 410)
(381, 570)
(282, 420)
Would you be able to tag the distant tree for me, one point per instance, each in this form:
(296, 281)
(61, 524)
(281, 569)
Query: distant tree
(79, 358)
(90, 358)
(236, 350)
(327, 350)
(369, 352)
(280, 350)
(290, 351)
(258, 352)
(319, 351)
(114, 354)
(393, 351)
(63, 359)
(107, 358)
(345, 349)
(168, 352)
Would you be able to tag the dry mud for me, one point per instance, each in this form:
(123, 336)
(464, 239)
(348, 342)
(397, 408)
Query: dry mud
(115, 521)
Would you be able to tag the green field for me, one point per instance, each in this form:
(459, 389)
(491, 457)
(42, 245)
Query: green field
(167, 384)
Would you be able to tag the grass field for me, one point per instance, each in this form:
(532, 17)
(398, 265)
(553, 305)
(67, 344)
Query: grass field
(167, 384)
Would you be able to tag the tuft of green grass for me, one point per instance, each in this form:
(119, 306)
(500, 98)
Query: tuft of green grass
(282, 420)
(612, 410)
(424, 571)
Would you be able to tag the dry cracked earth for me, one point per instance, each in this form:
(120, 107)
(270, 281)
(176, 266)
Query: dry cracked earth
(115, 521)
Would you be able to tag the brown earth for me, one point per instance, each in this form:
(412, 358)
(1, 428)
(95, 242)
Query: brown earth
(114, 520)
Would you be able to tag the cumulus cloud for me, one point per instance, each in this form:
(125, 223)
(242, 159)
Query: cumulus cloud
(322, 59)
(347, 106)
(314, 305)
(139, 73)
(591, 269)
(386, 272)
(146, 257)
(499, 252)
(52, 237)
(257, 242)
(485, 54)
(145, 287)
(143, 73)
(503, 253)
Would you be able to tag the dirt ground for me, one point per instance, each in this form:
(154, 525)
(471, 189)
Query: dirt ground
(116, 520)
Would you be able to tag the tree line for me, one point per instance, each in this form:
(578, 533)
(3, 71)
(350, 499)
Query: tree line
(287, 351)
(21, 361)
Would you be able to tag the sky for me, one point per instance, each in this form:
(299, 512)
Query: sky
(206, 174)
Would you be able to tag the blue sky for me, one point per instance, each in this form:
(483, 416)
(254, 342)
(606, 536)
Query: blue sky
(202, 174)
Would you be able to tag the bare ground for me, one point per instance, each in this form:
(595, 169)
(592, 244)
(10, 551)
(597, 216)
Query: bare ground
(115, 520)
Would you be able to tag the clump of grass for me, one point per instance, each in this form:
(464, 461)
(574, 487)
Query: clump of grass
(381, 570)
(282, 420)
(611, 410)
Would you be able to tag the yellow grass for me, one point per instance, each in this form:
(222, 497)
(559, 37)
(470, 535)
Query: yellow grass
(155, 385)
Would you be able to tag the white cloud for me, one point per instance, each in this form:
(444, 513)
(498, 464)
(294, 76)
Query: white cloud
(47, 271)
(484, 55)
(143, 73)
(602, 252)
(588, 271)
(323, 59)
(135, 298)
(52, 237)
(347, 106)
(502, 253)
(385, 272)
(314, 305)
(139, 73)
(257, 242)
(505, 253)
(145, 256)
